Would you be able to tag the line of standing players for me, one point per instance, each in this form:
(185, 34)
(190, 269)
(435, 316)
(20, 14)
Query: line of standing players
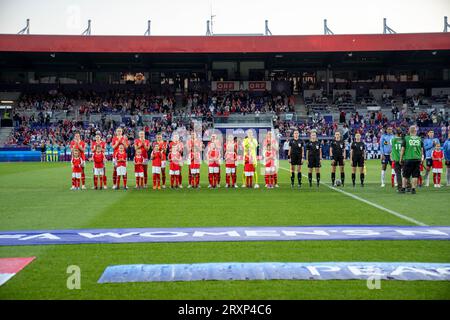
(161, 153)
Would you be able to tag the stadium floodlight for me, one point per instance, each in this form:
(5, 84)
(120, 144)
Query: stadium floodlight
(87, 32)
(147, 33)
(326, 30)
(386, 28)
(208, 29)
(446, 24)
(267, 31)
(25, 30)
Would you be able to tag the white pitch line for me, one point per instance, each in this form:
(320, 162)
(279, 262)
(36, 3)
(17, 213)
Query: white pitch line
(399, 215)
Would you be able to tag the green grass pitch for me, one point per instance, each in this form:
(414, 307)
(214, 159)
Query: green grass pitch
(37, 196)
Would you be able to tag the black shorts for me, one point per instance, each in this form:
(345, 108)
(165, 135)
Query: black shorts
(313, 163)
(296, 160)
(411, 168)
(429, 162)
(387, 159)
(337, 161)
(358, 162)
(447, 163)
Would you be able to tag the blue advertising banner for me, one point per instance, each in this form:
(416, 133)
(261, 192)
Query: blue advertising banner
(204, 234)
(371, 271)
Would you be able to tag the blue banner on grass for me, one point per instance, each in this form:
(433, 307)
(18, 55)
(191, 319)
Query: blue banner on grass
(277, 271)
(204, 234)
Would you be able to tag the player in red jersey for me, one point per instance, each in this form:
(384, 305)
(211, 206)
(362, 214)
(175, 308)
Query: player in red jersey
(249, 169)
(177, 146)
(121, 167)
(195, 158)
(139, 168)
(144, 145)
(437, 156)
(118, 140)
(270, 162)
(230, 162)
(270, 139)
(194, 146)
(215, 141)
(77, 168)
(99, 160)
(80, 145)
(176, 161)
(156, 157)
(99, 142)
(213, 158)
(162, 146)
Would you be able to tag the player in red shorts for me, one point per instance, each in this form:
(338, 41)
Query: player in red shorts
(193, 145)
(437, 156)
(156, 157)
(144, 145)
(139, 168)
(195, 159)
(162, 146)
(270, 139)
(175, 159)
(99, 160)
(118, 140)
(270, 161)
(230, 162)
(121, 167)
(77, 168)
(213, 158)
(176, 147)
(80, 145)
(217, 143)
(99, 142)
(249, 170)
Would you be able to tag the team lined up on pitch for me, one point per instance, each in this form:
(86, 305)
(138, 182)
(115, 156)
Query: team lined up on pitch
(404, 153)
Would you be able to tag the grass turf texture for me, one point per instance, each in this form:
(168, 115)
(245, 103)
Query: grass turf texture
(37, 196)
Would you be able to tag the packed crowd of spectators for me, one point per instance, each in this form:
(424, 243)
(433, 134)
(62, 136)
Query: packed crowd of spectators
(242, 102)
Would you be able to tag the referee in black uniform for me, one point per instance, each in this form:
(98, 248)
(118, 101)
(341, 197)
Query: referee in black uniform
(357, 156)
(337, 155)
(295, 155)
(314, 155)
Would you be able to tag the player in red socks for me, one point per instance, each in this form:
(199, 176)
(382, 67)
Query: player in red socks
(195, 159)
(80, 145)
(99, 142)
(121, 169)
(230, 162)
(437, 157)
(77, 167)
(249, 170)
(144, 145)
(175, 159)
(270, 163)
(162, 146)
(176, 147)
(194, 146)
(213, 157)
(270, 139)
(156, 158)
(99, 160)
(118, 140)
(139, 169)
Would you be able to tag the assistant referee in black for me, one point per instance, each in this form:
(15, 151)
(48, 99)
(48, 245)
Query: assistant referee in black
(295, 155)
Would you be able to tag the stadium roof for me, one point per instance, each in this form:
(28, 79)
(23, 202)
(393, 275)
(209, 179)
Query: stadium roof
(225, 44)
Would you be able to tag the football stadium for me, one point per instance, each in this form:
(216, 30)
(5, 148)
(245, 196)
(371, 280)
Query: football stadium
(225, 166)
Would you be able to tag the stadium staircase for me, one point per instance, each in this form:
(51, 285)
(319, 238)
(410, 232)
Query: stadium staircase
(4, 134)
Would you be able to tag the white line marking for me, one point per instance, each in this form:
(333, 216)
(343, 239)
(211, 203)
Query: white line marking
(399, 215)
